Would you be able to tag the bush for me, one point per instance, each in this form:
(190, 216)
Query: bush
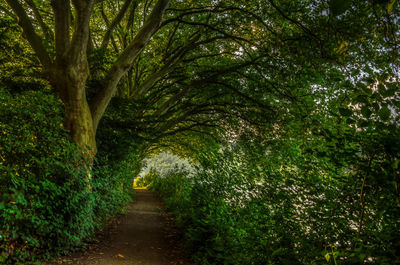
(49, 203)
(46, 201)
(112, 188)
(233, 213)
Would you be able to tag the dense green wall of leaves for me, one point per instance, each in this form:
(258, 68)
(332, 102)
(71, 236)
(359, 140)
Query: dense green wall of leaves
(292, 204)
(49, 205)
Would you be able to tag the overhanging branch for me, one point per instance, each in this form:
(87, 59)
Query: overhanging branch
(124, 61)
(30, 34)
(114, 23)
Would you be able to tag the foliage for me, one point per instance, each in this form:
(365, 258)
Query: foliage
(290, 107)
(145, 180)
(19, 70)
(49, 204)
(292, 206)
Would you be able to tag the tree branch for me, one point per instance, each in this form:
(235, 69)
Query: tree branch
(8, 12)
(243, 95)
(130, 21)
(297, 23)
(205, 25)
(62, 18)
(80, 37)
(114, 23)
(45, 29)
(105, 18)
(30, 34)
(167, 68)
(124, 61)
(164, 107)
(187, 128)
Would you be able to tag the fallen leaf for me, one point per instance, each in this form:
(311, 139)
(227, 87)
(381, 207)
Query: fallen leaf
(120, 256)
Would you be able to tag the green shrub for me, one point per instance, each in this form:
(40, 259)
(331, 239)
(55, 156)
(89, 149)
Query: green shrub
(112, 188)
(233, 213)
(49, 204)
(46, 201)
(145, 180)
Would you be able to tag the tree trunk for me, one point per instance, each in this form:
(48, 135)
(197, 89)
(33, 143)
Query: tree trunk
(70, 82)
(69, 71)
(78, 120)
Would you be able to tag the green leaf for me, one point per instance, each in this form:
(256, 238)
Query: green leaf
(362, 99)
(345, 112)
(355, 72)
(390, 6)
(363, 124)
(338, 7)
(277, 252)
(384, 113)
(395, 164)
(389, 93)
(381, 88)
(327, 257)
(366, 112)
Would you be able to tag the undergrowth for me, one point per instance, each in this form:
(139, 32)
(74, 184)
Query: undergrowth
(50, 204)
(233, 212)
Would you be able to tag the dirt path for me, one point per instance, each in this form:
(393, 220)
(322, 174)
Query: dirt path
(143, 236)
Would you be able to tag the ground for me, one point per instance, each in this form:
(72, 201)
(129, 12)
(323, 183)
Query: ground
(144, 235)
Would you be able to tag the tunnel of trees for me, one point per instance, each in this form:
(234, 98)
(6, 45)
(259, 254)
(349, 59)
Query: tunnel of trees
(289, 110)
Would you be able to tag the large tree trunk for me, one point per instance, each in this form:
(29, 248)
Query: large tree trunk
(70, 82)
(69, 71)
(78, 120)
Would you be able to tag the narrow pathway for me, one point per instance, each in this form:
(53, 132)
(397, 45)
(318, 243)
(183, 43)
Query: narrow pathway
(143, 236)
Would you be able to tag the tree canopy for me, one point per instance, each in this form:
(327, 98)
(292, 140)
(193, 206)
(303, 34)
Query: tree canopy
(207, 66)
(298, 97)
